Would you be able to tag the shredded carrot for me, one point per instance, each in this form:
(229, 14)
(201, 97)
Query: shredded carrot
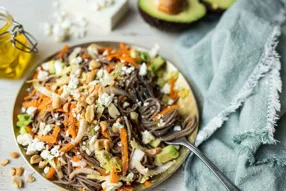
(86, 56)
(30, 95)
(113, 175)
(67, 147)
(102, 172)
(147, 184)
(124, 151)
(35, 76)
(72, 131)
(56, 131)
(126, 188)
(29, 129)
(128, 59)
(123, 46)
(173, 92)
(61, 53)
(51, 173)
(47, 138)
(76, 159)
(109, 68)
(33, 103)
(59, 110)
(165, 111)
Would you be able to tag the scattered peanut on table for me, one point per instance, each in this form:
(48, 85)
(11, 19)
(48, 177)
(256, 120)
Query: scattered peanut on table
(12, 171)
(4, 162)
(14, 155)
(17, 182)
(19, 171)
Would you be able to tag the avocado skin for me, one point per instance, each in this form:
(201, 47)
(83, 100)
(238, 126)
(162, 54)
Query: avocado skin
(165, 25)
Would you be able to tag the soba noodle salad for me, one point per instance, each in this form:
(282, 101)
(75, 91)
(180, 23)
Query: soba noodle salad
(96, 118)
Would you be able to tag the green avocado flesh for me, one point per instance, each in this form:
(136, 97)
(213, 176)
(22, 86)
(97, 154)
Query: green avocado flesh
(219, 4)
(194, 12)
(168, 153)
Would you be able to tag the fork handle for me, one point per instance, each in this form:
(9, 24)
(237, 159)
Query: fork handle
(222, 178)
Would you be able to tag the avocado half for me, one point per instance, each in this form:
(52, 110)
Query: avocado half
(217, 6)
(192, 13)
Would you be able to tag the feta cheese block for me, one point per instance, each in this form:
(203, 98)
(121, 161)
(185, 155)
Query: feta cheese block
(105, 18)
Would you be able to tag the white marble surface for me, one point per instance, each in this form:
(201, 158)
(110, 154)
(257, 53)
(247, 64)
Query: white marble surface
(32, 13)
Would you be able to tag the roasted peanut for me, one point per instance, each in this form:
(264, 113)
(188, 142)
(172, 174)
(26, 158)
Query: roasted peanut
(89, 99)
(19, 171)
(56, 101)
(14, 155)
(94, 64)
(17, 182)
(66, 107)
(43, 164)
(107, 144)
(90, 76)
(152, 152)
(29, 179)
(4, 162)
(12, 171)
(103, 125)
(89, 114)
(35, 159)
(99, 144)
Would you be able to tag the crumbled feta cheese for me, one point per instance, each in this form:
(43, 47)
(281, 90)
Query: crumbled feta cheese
(73, 82)
(46, 169)
(93, 83)
(118, 125)
(34, 146)
(58, 66)
(146, 103)
(154, 51)
(147, 137)
(23, 110)
(60, 34)
(105, 99)
(55, 151)
(177, 128)
(42, 75)
(119, 144)
(100, 74)
(166, 89)
(171, 101)
(96, 128)
(24, 139)
(108, 186)
(45, 154)
(125, 104)
(31, 111)
(77, 72)
(76, 60)
(161, 123)
(127, 70)
(46, 66)
(143, 70)
(47, 129)
(81, 163)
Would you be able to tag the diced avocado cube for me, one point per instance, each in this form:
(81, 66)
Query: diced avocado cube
(155, 143)
(156, 64)
(144, 56)
(168, 153)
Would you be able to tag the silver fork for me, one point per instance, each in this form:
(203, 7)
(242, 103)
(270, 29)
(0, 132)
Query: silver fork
(222, 178)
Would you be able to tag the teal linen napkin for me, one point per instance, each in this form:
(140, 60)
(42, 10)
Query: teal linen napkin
(237, 74)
